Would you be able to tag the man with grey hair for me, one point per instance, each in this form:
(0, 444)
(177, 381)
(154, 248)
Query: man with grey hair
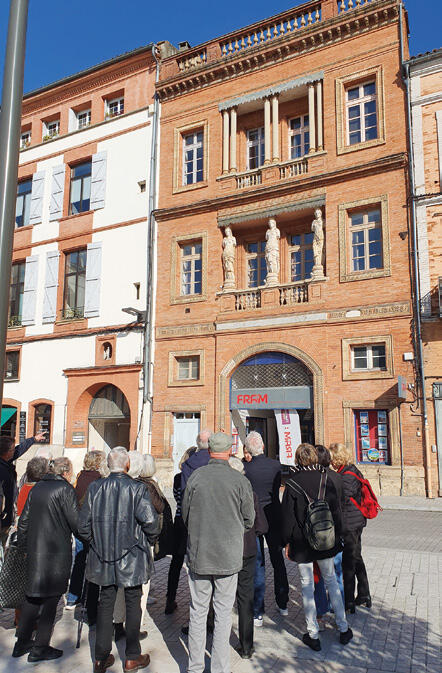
(199, 458)
(265, 476)
(119, 524)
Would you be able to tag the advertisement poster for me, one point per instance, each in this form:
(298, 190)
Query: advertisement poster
(363, 416)
(289, 433)
(365, 442)
(364, 430)
(382, 416)
(382, 430)
(382, 443)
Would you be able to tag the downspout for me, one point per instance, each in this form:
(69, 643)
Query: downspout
(148, 364)
(405, 72)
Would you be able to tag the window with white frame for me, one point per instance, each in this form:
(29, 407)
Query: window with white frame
(23, 203)
(83, 119)
(25, 139)
(191, 268)
(256, 264)
(80, 194)
(115, 107)
(51, 129)
(188, 368)
(255, 148)
(366, 240)
(368, 358)
(361, 113)
(193, 161)
(301, 256)
(299, 138)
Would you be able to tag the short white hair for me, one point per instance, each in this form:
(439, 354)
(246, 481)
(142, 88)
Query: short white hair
(149, 466)
(118, 459)
(136, 464)
(237, 464)
(202, 439)
(254, 443)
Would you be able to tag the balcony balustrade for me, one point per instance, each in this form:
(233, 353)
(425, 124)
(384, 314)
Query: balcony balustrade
(347, 5)
(249, 179)
(247, 300)
(193, 60)
(292, 169)
(295, 293)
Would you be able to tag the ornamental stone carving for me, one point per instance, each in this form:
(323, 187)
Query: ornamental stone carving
(228, 257)
(272, 253)
(318, 245)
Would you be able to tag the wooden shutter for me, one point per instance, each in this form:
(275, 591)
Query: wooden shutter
(98, 180)
(38, 184)
(93, 281)
(51, 285)
(57, 192)
(30, 291)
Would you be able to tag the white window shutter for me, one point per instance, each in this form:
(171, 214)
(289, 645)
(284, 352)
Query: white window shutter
(98, 180)
(30, 291)
(51, 285)
(57, 192)
(93, 281)
(38, 184)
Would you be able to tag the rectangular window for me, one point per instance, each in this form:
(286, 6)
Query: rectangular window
(255, 148)
(25, 140)
(83, 119)
(12, 365)
(80, 196)
(23, 203)
(74, 284)
(372, 436)
(301, 256)
(256, 264)
(193, 162)
(115, 107)
(366, 240)
(51, 129)
(188, 368)
(361, 113)
(16, 294)
(368, 358)
(191, 268)
(299, 138)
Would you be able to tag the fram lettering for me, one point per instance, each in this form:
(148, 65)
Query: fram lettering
(288, 443)
(252, 399)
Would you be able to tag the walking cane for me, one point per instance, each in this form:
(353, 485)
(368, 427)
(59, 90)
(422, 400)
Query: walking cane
(84, 594)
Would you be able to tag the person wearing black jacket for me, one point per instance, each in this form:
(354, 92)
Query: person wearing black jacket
(353, 566)
(306, 477)
(45, 529)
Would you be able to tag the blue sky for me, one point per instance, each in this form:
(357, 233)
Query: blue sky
(65, 36)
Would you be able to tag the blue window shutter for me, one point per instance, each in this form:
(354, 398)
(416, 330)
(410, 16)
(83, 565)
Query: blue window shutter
(57, 192)
(51, 285)
(30, 291)
(38, 184)
(93, 281)
(98, 180)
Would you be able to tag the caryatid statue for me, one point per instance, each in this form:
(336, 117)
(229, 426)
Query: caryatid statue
(228, 257)
(272, 253)
(318, 244)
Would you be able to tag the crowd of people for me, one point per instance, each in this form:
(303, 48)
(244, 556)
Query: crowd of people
(115, 517)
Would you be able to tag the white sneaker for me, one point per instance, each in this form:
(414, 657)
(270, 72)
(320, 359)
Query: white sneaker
(257, 621)
(283, 611)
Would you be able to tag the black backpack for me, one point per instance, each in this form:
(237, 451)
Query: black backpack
(318, 526)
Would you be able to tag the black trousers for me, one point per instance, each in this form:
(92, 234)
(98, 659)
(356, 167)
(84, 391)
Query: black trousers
(353, 567)
(103, 642)
(93, 592)
(244, 600)
(45, 622)
(179, 552)
(279, 572)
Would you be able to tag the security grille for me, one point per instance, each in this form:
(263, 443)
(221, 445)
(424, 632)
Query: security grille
(272, 375)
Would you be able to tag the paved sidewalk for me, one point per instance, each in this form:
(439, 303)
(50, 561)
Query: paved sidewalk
(411, 502)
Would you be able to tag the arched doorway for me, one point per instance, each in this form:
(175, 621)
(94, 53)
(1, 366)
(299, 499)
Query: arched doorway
(109, 419)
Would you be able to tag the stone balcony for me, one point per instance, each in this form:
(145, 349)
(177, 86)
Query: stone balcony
(270, 299)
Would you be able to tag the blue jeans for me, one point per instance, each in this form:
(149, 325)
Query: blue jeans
(70, 597)
(322, 601)
(260, 579)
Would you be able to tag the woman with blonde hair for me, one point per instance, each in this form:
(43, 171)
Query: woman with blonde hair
(353, 566)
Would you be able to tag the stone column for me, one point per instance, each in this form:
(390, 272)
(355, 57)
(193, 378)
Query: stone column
(267, 152)
(225, 142)
(233, 166)
(319, 106)
(275, 128)
(311, 117)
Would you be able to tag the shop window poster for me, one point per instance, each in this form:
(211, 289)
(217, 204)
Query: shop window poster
(382, 443)
(382, 430)
(382, 416)
(365, 442)
(364, 430)
(363, 416)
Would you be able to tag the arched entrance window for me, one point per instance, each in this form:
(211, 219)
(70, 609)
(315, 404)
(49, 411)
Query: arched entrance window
(109, 419)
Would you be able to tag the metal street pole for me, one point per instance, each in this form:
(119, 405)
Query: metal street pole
(10, 125)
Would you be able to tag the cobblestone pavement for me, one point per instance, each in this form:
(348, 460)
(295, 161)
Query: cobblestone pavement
(400, 634)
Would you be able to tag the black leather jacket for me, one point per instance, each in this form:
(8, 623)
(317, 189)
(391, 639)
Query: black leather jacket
(49, 518)
(118, 522)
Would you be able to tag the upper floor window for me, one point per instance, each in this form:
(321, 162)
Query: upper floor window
(256, 264)
(368, 358)
(366, 240)
(74, 284)
(23, 203)
(301, 256)
(51, 129)
(193, 163)
(83, 119)
(25, 139)
(255, 148)
(12, 365)
(115, 107)
(299, 137)
(80, 197)
(191, 268)
(361, 113)
(16, 293)
(188, 368)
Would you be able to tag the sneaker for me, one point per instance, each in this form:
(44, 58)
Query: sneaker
(258, 621)
(313, 643)
(346, 636)
(22, 647)
(44, 653)
(283, 611)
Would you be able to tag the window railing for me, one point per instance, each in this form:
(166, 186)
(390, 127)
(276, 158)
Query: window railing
(14, 321)
(72, 313)
(293, 168)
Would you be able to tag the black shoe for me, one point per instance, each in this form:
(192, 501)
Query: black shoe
(313, 643)
(22, 647)
(363, 600)
(171, 606)
(350, 607)
(245, 655)
(44, 653)
(143, 635)
(119, 631)
(345, 637)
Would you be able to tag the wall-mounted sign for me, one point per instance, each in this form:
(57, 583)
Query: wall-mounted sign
(296, 397)
(78, 438)
(437, 390)
(22, 426)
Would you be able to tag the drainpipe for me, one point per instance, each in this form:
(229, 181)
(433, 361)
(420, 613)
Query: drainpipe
(150, 299)
(405, 68)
